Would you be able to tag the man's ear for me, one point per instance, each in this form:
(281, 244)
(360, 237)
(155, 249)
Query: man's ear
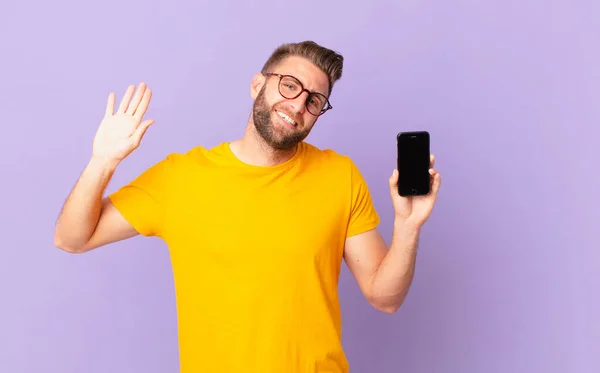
(258, 81)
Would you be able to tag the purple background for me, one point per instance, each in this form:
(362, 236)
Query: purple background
(508, 274)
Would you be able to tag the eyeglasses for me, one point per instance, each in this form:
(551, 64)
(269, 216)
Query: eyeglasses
(290, 87)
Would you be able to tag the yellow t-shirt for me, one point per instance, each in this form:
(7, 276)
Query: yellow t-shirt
(256, 254)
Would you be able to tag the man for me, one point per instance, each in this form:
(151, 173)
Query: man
(257, 228)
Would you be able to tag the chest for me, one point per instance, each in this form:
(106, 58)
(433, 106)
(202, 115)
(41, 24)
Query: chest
(262, 222)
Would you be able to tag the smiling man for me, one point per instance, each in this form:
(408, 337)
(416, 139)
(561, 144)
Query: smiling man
(257, 228)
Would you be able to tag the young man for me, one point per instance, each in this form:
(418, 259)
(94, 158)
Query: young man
(257, 228)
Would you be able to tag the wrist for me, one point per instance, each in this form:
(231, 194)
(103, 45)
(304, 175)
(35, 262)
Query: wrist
(405, 237)
(103, 164)
(405, 227)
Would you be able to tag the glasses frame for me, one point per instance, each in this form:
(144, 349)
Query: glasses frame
(281, 76)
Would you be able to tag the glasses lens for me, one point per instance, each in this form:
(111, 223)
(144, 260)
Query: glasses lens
(316, 103)
(290, 87)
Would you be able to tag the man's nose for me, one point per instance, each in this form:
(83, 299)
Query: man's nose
(299, 103)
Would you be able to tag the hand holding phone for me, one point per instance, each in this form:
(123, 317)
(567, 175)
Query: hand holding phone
(413, 163)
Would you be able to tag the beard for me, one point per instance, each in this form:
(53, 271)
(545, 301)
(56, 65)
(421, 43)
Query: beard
(261, 116)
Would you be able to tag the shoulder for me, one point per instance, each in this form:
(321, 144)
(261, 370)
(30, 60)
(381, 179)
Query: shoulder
(327, 157)
(333, 162)
(195, 156)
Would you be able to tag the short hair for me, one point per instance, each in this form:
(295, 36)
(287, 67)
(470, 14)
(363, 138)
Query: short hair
(329, 61)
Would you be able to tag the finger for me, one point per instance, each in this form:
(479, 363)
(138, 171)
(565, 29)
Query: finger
(432, 173)
(110, 104)
(393, 182)
(126, 98)
(133, 105)
(141, 130)
(431, 160)
(141, 110)
(436, 180)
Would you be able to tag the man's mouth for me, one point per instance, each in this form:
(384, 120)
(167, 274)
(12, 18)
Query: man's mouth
(287, 119)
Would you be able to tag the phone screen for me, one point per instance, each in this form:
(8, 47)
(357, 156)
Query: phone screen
(413, 163)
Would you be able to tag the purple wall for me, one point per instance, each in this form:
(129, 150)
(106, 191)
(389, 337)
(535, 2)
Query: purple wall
(508, 274)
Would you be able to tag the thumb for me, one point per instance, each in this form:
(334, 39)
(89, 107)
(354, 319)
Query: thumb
(141, 130)
(393, 181)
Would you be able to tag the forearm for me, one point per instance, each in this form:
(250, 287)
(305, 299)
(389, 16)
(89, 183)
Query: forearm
(391, 281)
(81, 211)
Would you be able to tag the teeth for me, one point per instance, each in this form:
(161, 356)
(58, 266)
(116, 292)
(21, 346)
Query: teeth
(286, 118)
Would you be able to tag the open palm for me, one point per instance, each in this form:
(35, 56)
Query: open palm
(415, 210)
(121, 132)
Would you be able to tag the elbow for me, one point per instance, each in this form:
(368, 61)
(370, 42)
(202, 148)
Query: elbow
(389, 309)
(62, 245)
(67, 248)
(387, 305)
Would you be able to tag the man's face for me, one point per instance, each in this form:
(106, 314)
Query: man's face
(272, 113)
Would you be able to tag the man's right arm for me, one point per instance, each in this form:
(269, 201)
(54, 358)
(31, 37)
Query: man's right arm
(87, 220)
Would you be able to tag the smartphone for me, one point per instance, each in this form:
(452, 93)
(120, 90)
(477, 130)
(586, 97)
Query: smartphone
(413, 163)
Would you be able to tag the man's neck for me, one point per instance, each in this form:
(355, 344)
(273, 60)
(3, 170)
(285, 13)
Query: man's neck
(252, 149)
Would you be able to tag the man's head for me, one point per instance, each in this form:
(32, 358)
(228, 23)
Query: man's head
(284, 112)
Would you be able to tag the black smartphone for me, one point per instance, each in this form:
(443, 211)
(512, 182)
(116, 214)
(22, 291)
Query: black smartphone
(413, 163)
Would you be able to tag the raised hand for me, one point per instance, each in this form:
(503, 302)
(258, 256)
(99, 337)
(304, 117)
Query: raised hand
(120, 133)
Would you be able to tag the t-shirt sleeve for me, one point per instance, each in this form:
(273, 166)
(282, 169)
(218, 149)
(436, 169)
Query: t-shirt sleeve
(363, 216)
(142, 202)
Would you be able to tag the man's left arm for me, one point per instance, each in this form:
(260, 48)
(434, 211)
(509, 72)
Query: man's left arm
(384, 274)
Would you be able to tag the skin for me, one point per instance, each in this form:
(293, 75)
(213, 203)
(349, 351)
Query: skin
(253, 148)
(87, 221)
